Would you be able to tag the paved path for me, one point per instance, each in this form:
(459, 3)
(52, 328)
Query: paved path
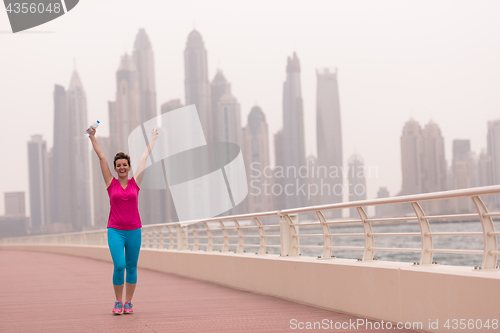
(44, 292)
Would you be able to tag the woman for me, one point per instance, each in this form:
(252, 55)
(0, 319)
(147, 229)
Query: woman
(124, 223)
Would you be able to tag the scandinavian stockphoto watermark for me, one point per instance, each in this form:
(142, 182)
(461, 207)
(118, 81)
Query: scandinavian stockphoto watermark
(308, 180)
(27, 14)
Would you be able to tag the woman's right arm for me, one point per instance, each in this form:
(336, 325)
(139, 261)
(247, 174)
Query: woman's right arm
(106, 173)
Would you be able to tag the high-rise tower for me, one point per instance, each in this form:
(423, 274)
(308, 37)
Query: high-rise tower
(434, 161)
(227, 120)
(143, 58)
(412, 146)
(329, 136)
(494, 153)
(124, 113)
(256, 153)
(462, 169)
(357, 182)
(79, 158)
(38, 170)
(293, 143)
(61, 173)
(196, 83)
(70, 179)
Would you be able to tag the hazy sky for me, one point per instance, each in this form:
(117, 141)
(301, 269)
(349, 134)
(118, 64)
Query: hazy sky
(436, 60)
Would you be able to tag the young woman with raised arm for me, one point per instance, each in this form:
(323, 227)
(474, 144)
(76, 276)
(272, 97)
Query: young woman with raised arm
(124, 223)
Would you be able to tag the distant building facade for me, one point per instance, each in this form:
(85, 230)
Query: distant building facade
(257, 162)
(357, 182)
(39, 186)
(196, 83)
(293, 140)
(329, 137)
(493, 146)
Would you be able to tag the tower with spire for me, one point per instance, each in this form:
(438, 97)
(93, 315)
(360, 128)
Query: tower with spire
(143, 58)
(196, 83)
(70, 157)
(293, 143)
(329, 136)
(124, 112)
(256, 155)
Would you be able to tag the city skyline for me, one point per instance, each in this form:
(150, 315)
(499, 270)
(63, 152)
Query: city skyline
(392, 111)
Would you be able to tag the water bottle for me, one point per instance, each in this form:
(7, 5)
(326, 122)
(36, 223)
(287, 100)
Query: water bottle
(92, 127)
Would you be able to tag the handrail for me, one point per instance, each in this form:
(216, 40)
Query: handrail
(235, 232)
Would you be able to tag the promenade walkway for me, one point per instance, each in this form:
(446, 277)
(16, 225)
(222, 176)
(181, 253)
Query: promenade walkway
(45, 292)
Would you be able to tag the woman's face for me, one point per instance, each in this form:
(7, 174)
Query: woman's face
(122, 168)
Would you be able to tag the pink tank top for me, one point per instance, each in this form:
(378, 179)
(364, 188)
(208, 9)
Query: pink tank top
(124, 211)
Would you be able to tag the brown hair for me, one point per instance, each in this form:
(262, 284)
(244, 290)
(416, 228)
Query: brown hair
(121, 156)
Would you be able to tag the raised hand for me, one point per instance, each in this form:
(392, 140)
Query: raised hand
(154, 133)
(93, 132)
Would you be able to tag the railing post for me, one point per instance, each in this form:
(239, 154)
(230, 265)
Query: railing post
(368, 231)
(425, 229)
(181, 238)
(210, 239)
(490, 241)
(327, 239)
(225, 244)
(171, 239)
(162, 240)
(241, 237)
(262, 236)
(288, 234)
(196, 242)
(155, 242)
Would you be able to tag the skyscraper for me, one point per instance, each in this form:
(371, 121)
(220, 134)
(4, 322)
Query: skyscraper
(173, 104)
(227, 120)
(79, 158)
(151, 201)
(61, 165)
(70, 178)
(15, 222)
(494, 153)
(15, 203)
(124, 112)
(383, 210)
(462, 168)
(219, 87)
(423, 162)
(170, 212)
(484, 169)
(411, 158)
(433, 162)
(39, 188)
(357, 182)
(256, 154)
(293, 144)
(329, 135)
(279, 200)
(143, 58)
(196, 83)
(433, 167)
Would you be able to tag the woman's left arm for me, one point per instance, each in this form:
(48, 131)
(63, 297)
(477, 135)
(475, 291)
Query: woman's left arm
(139, 173)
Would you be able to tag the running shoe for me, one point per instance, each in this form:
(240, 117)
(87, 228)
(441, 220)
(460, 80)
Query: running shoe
(128, 308)
(118, 309)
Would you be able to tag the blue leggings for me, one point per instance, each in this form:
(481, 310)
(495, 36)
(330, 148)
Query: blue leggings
(131, 241)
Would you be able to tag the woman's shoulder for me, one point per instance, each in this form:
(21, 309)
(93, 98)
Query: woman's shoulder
(112, 181)
(132, 180)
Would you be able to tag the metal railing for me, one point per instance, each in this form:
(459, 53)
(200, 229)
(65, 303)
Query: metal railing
(239, 233)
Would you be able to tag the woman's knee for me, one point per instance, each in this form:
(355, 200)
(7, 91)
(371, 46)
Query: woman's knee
(120, 267)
